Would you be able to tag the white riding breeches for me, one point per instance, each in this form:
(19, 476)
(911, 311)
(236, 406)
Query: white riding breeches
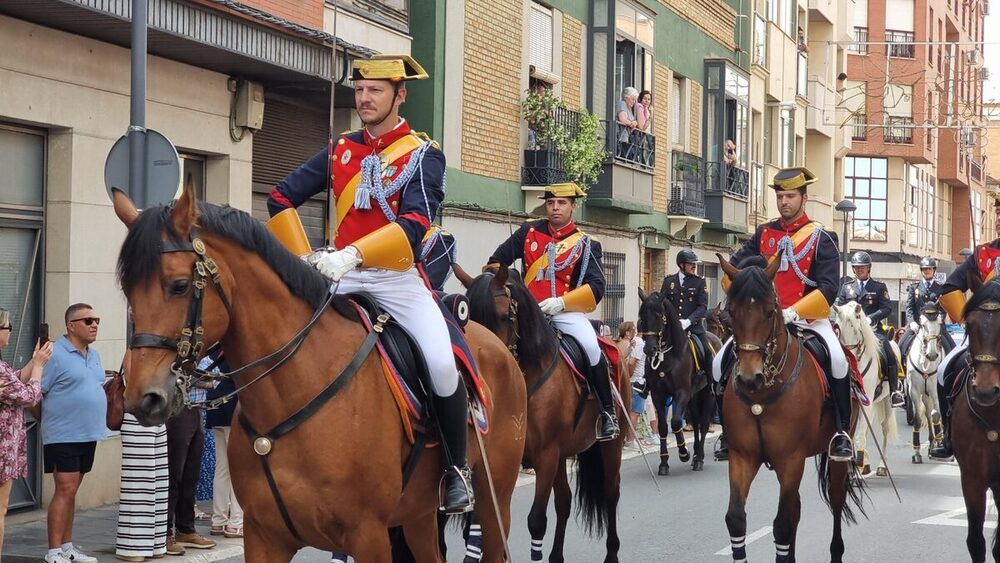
(822, 328)
(958, 349)
(404, 296)
(578, 326)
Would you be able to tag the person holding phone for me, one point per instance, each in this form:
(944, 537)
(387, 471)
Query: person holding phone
(18, 389)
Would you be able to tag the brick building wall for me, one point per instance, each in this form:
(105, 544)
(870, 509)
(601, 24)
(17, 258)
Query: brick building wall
(572, 57)
(491, 92)
(661, 128)
(304, 12)
(694, 139)
(713, 16)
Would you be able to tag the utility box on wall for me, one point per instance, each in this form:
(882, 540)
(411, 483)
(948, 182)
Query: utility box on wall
(249, 105)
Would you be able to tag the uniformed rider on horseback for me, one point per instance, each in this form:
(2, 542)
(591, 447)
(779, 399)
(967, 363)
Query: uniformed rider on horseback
(920, 293)
(562, 269)
(805, 284)
(388, 183)
(873, 296)
(688, 294)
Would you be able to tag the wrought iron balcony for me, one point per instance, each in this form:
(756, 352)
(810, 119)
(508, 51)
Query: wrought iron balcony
(860, 46)
(543, 163)
(900, 43)
(687, 190)
(898, 130)
(634, 147)
(731, 180)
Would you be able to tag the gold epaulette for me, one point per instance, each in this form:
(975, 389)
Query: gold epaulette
(348, 132)
(425, 138)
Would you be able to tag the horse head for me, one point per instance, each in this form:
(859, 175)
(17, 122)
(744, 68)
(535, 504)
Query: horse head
(982, 314)
(651, 321)
(931, 319)
(666, 342)
(502, 303)
(756, 317)
(855, 330)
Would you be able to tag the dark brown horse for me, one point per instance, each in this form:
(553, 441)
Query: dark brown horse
(339, 473)
(556, 429)
(775, 414)
(975, 418)
(670, 371)
(718, 322)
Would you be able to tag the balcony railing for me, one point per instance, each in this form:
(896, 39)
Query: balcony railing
(634, 147)
(720, 177)
(898, 130)
(802, 84)
(687, 190)
(900, 43)
(859, 132)
(860, 44)
(543, 163)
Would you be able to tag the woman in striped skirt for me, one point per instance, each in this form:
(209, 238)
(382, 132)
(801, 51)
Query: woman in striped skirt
(142, 512)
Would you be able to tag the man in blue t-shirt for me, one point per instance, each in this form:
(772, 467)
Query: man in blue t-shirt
(74, 410)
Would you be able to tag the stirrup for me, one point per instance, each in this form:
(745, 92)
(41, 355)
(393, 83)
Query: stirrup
(896, 399)
(829, 448)
(600, 422)
(465, 475)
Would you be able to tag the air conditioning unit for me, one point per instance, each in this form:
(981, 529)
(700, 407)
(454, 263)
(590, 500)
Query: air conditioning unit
(974, 57)
(967, 136)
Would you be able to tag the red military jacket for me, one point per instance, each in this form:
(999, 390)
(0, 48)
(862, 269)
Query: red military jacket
(987, 261)
(789, 285)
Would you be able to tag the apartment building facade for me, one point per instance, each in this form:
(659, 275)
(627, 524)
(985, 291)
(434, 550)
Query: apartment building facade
(65, 69)
(915, 169)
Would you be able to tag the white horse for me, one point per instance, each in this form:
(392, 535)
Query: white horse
(922, 361)
(857, 335)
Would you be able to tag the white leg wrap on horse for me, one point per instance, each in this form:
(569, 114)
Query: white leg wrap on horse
(717, 360)
(404, 296)
(536, 550)
(824, 329)
(958, 349)
(578, 326)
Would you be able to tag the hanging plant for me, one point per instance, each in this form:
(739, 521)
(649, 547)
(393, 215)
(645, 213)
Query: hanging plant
(538, 111)
(584, 152)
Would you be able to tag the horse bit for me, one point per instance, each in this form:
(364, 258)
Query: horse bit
(661, 347)
(771, 370)
(513, 337)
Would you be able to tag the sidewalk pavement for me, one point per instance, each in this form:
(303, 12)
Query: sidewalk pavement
(94, 532)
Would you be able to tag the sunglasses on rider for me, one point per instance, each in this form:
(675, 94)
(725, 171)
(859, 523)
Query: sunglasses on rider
(88, 320)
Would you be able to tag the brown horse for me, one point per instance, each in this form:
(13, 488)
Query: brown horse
(557, 429)
(975, 419)
(774, 414)
(718, 322)
(338, 475)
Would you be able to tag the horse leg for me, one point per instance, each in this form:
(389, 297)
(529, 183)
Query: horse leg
(563, 495)
(837, 485)
(260, 549)
(611, 454)
(861, 439)
(996, 537)
(681, 401)
(741, 474)
(421, 535)
(916, 399)
(786, 522)
(663, 428)
(974, 491)
(932, 398)
(546, 465)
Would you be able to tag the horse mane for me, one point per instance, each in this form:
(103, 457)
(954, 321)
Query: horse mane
(989, 291)
(139, 257)
(751, 283)
(868, 335)
(536, 340)
(481, 308)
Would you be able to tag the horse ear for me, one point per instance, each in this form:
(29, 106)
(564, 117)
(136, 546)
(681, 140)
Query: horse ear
(727, 267)
(857, 311)
(642, 296)
(500, 278)
(124, 207)
(772, 267)
(462, 275)
(185, 211)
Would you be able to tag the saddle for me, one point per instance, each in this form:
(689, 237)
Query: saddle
(956, 371)
(574, 355)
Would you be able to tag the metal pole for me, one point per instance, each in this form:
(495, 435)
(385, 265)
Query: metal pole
(137, 109)
(331, 210)
(843, 262)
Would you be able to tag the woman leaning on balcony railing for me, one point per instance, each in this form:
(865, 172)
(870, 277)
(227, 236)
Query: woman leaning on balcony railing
(626, 120)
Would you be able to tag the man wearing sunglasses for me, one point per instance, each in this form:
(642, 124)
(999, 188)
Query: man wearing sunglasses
(73, 420)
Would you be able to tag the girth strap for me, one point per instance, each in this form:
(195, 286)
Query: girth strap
(546, 375)
(263, 443)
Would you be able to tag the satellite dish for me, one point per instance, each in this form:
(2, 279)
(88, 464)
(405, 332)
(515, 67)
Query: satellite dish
(163, 169)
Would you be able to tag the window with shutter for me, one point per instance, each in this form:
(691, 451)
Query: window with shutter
(540, 40)
(675, 113)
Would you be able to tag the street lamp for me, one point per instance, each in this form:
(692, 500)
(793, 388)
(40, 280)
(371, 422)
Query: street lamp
(846, 207)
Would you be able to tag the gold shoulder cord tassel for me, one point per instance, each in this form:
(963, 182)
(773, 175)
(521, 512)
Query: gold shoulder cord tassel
(953, 303)
(812, 306)
(386, 248)
(580, 300)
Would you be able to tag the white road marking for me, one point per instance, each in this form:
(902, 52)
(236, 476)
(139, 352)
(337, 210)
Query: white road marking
(765, 531)
(957, 517)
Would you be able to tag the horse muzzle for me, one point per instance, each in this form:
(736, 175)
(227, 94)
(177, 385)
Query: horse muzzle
(156, 406)
(985, 395)
(751, 381)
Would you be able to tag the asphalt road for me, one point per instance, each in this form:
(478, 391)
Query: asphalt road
(683, 521)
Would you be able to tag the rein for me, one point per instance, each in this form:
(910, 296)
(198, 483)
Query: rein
(991, 434)
(661, 346)
(191, 344)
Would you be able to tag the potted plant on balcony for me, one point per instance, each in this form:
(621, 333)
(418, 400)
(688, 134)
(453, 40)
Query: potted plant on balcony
(544, 134)
(583, 153)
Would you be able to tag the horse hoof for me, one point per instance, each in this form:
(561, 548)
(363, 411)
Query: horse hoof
(881, 472)
(664, 470)
(866, 469)
(917, 458)
(698, 465)
(684, 455)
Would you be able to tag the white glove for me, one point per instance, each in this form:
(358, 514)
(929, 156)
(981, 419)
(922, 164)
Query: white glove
(914, 327)
(789, 315)
(685, 324)
(552, 306)
(335, 264)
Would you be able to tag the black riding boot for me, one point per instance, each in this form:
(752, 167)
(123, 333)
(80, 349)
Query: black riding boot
(890, 369)
(607, 423)
(722, 451)
(943, 450)
(452, 415)
(841, 447)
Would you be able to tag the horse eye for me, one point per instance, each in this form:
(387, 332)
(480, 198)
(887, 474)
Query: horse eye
(179, 287)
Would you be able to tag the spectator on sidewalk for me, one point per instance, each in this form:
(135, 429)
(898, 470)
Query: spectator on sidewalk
(227, 516)
(74, 412)
(18, 389)
(142, 505)
(185, 443)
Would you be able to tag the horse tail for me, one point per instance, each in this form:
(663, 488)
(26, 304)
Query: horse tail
(854, 485)
(591, 508)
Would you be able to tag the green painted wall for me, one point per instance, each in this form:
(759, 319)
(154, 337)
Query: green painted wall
(579, 9)
(488, 194)
(424, 106)
(684, 47)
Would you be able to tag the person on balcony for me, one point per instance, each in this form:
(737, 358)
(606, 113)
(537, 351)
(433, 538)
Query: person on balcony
(627, 122)
(644, 117)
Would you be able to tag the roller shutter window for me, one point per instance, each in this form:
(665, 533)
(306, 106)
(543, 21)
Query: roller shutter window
(292, 132)
(540, 38)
